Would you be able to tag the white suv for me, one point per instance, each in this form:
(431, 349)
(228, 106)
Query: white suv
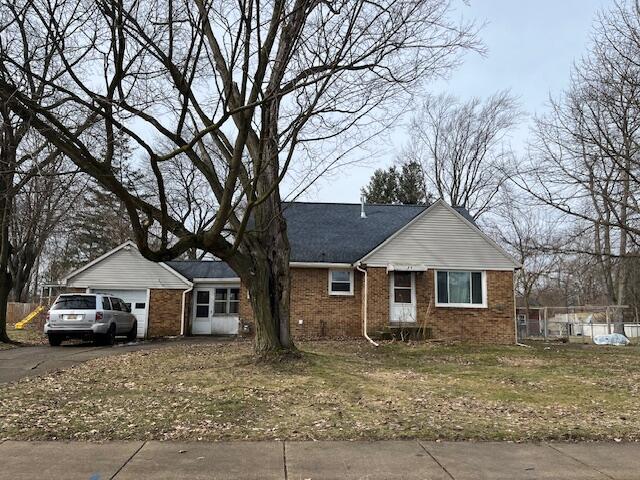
(97, 316)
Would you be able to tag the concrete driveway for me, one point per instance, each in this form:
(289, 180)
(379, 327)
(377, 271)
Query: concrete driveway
(21, 362)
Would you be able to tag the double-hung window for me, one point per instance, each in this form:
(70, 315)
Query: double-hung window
(340, 282)
(456, 288)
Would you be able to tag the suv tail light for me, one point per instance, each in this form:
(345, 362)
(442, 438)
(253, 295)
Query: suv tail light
(99, 316)
(48, 317)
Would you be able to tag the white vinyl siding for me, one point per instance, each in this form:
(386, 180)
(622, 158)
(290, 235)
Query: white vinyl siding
(440, 238)
(126, 269)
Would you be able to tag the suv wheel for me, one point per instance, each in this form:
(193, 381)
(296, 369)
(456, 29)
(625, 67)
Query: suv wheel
(133, 333)
(54, 340)
(108, 338)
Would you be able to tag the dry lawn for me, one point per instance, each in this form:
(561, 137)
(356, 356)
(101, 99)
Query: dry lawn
(27, 336)
(338, 390)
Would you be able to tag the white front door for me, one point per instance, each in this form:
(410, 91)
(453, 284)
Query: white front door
(402, 301)
(216, 310)
(201, 324)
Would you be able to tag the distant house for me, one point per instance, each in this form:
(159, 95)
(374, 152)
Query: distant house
(383, 266)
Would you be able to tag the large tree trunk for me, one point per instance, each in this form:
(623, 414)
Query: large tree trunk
(5, 288)
(269, 290)
(270, 283)
(21, 269)
(7, 165)
(267, 279)
(5, 252)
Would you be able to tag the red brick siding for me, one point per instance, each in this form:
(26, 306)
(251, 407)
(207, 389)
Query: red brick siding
(336, 316)
(494, 324)
(188, 313)
(165, 310)
(322, 315)
(377, 300)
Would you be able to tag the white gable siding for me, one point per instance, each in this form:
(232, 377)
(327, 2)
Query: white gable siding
(440, 238)
(126, 268)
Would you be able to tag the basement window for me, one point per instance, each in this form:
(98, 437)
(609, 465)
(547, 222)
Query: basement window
(340, 282)
(457, 288)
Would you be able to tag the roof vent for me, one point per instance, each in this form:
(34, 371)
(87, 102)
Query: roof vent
(362, 212)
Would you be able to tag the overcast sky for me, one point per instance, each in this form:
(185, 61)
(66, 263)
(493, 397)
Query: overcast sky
(531, 47)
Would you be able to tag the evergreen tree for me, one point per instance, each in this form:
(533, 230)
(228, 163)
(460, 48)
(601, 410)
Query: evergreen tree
(411, 186)
(382, 187)
(406, 186)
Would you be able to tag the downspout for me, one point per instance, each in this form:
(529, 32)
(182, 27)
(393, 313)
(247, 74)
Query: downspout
(364, 306)
(184, 302)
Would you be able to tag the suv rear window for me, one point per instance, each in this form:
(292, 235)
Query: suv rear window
(75, 302)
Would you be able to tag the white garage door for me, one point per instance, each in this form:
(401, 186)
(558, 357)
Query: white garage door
(138, 301)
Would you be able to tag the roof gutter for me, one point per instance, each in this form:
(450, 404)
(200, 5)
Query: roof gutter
(364, 306)
(319, 265)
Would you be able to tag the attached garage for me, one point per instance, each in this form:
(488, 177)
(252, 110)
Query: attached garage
(158, 296)
(138, 303)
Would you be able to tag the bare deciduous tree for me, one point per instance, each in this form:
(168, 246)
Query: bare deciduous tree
(251, 83)
(533, 238)
(23, 153)
(461, 147)
(585, 155)
(37, 209)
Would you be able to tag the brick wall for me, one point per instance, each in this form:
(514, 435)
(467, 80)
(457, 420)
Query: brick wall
(165, 309)
(494, 324)
(378, 299)
(322, 315)
(188, 312)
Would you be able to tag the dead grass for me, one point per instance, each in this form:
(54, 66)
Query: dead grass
(337, 390)
(27, 336)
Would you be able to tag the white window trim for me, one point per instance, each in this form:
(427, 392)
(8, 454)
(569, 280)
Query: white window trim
(461, 305)
(341, 294)
(227, 301)
(392, 300)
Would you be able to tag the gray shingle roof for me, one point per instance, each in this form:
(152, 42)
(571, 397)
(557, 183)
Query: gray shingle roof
(335, 233)
(202, 269)
(326, 233)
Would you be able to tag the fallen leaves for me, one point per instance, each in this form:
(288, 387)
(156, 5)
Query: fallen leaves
(338, 390)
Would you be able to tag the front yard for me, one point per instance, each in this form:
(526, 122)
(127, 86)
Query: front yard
(339, 390)
(27, 336)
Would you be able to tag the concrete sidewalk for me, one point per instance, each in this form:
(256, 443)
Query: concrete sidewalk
(384, 460)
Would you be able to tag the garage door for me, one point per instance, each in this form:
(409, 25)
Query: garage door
(137, 300)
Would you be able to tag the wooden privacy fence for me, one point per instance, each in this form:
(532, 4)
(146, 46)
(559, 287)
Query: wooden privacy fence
(17, 311)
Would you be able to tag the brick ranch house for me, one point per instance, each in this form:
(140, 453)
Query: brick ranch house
(356, 270)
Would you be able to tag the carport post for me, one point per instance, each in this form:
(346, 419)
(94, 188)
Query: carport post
(545, 323)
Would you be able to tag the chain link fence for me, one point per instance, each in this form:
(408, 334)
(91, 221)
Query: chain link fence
(577, 324)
